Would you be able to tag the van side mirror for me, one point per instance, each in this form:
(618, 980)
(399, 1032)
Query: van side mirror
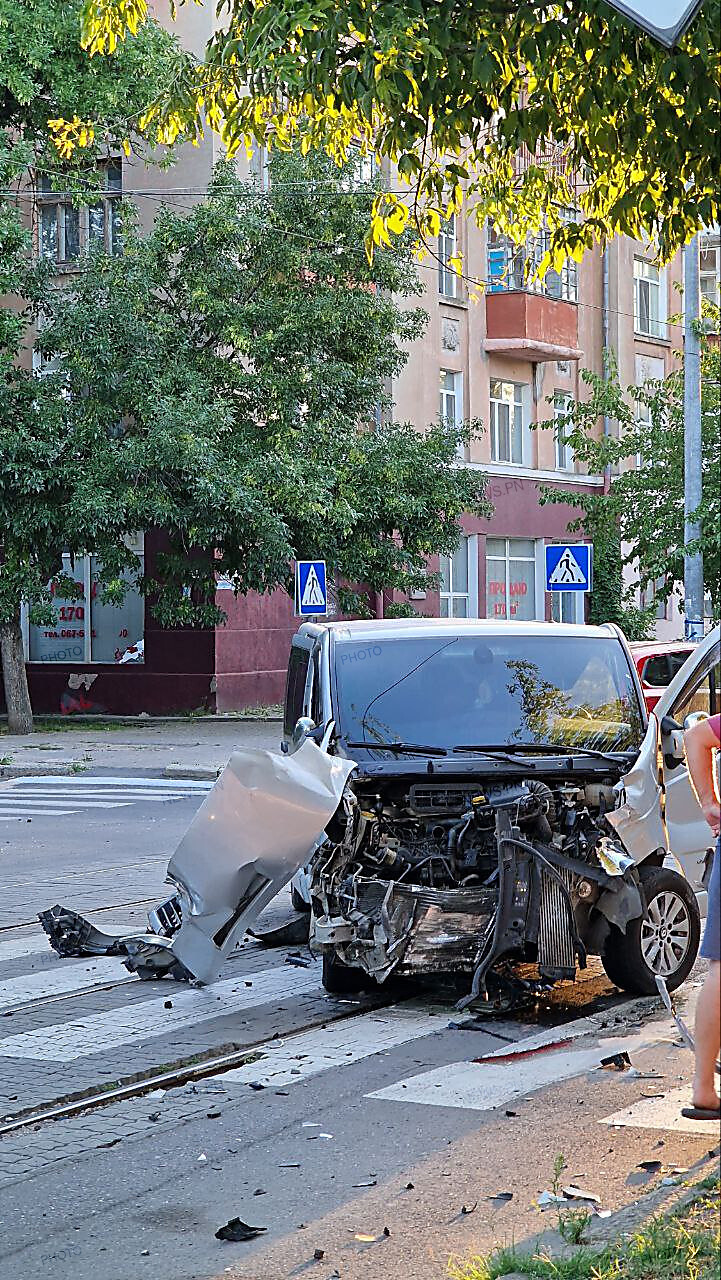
(304, 726)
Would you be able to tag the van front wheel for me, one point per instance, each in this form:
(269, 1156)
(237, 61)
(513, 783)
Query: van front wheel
(664, 942)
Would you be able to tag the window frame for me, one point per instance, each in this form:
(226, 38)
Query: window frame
(518, 419)
(107, 199)
(564, 455)
(655, 288)
(506, 561)
(470, 595)
(448, 280)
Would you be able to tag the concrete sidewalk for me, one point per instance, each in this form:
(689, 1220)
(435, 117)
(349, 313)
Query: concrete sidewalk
(161, 748)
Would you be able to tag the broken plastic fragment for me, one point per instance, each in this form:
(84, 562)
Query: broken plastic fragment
(577, 1193)
(237, 1230)
(549, 1198)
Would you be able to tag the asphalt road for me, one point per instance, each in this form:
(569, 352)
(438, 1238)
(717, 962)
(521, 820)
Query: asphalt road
(340, 1106)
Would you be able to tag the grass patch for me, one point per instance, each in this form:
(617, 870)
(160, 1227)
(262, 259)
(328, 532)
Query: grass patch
(681, 1246)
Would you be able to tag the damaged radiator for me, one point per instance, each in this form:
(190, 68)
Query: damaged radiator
(556, 952)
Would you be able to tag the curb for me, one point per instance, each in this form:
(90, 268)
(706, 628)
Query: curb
(60, 770)
(190, 772)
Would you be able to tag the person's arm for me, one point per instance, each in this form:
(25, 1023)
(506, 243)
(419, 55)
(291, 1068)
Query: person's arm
(699, 743)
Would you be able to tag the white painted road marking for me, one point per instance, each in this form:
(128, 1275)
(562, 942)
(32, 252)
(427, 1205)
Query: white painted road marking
(30, 945)
(325, 1048)
(62, 979)
(481, 1086)
(664, 1113)
(54, 797)
(101, 1032)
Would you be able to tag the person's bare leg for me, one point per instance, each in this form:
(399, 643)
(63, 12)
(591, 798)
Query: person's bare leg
(708, 1039)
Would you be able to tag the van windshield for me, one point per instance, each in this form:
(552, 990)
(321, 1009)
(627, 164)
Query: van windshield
(502, 690)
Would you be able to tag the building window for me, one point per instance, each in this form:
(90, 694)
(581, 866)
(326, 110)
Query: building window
(447, 249)
(67, 230)
(710, 261)
(458, 576)
(86, 629)
(450, 403)
(508, 428)
(649, 301)
(650, 598)
(513, 267)
(511, 578)
(567, 606)
(565, 460)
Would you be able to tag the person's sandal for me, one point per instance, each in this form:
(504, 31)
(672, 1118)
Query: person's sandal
(701, 1113)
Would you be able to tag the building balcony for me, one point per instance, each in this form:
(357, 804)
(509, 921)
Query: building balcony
(529, 326)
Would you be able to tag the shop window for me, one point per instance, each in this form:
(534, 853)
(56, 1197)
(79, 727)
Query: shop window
(67, 230)
(511, 578)
(86, 628)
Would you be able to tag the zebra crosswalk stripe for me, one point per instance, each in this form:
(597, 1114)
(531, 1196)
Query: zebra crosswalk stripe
(40, 796)
(102, 1032)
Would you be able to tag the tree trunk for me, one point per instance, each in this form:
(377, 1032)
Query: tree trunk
(17, 695)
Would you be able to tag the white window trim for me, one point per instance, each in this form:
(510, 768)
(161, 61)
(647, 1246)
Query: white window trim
(471, 540)
(564, 455)
(448, 281)
(458, 402)
(524, 403)
(662, 301)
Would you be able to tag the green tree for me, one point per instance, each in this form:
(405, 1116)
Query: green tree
(44, 74)
(219, 383)
(452, 92)
(640, 521)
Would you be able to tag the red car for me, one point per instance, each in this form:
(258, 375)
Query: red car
(657, 663)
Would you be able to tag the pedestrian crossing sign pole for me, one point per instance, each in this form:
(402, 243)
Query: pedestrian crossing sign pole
(569, 567)
(311, 594)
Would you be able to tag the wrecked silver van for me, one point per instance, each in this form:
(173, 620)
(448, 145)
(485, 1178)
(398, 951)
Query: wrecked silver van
(464, 795)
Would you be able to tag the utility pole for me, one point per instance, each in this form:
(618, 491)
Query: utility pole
(693, 561)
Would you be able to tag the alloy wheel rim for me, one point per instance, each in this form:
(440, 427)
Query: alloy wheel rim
(666, 934)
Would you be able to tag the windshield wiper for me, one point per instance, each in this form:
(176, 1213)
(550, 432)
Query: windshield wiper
(493, 753)
(554, 749)
(411, 747)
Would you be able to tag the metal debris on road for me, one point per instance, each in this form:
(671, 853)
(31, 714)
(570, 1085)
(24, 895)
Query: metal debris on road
(236, 1230)
(501, 1196)
(318, 1255)
(577, 1193)
(466, 1209)
(616, 1062)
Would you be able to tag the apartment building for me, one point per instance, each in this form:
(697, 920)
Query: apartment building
(497, 348)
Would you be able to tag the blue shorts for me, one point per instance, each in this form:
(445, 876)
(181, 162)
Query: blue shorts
(711, 945)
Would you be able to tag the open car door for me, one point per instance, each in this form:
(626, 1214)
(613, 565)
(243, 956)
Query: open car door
(694, 692)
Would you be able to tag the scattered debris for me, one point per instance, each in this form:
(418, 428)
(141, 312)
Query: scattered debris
(260, 1191)
(154, 1115)
(386, 1232)
(311, 1124)
(145, 1253)
(237, 1230)
(577, 1193)
(547, 1199)
(293, 1165)
(616, 1061)
(364, 1238)
(318, 1255)
(113, 1142)
(167, 1004)
(512, 1114)
(410, 1186)
(256, 1084)
(298, 961)
(371, 1183)
(202, 1157)
(651, 1166)
(501, 1196)
(466, 1209)
(212, 1115)
(281, 1093)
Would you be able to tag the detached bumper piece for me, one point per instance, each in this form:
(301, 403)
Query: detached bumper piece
(251, 834)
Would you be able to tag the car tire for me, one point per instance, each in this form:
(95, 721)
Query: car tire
(298, 901)
(664, 942)
(340, 979)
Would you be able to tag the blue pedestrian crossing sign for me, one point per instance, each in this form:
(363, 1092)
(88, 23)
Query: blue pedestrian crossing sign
(311, 595)
(569, 567)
